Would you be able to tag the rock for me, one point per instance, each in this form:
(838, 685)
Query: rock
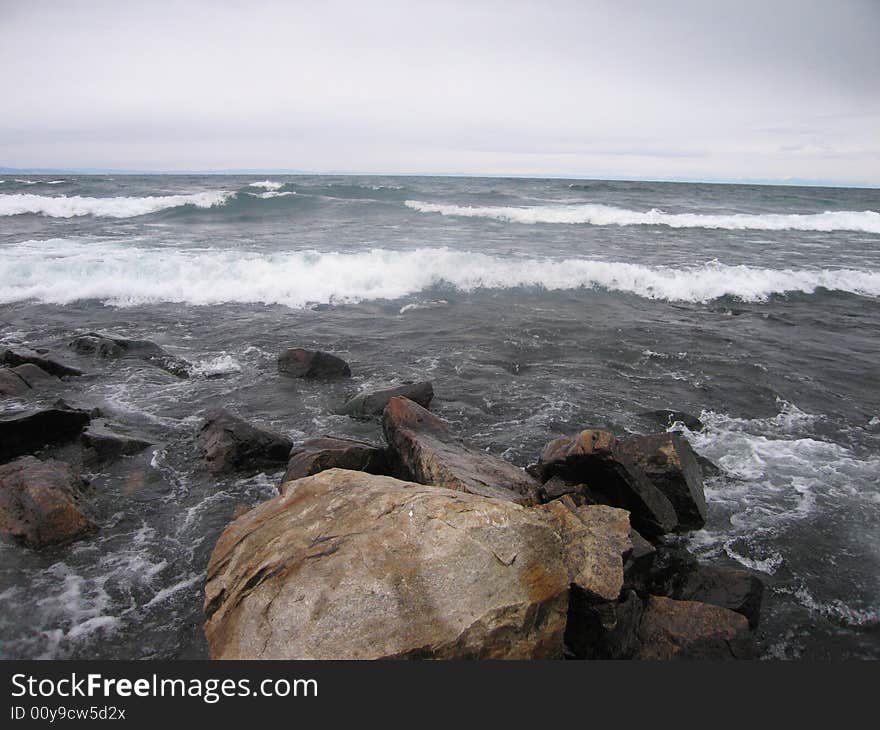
(603, 630)
(328, 452)
(39, 503)
(689, 630)
(33, 375)
(349, 565)
(666, 418)
(671, 465)
(425, 451)
(228, 443)
(22, 356)
(367, 405)
(240, 510)
(638, 563)
(105, 443)
(12, 384)
(557, 487)
(299, 363)
(120, 347)
(28, 431)
(596, 459)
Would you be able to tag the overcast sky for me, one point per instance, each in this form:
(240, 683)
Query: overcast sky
(661, 90)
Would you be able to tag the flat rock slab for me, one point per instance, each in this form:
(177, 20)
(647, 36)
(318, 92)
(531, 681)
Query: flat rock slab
(21, 355)
(33, 375)
(425, 451)
(229, 443)
(299, 363)
(109, 347)
(12, 384)
(372, 404)
(330, 452)
(349, 565)
(29, 431)
(39, 503)
(105, 442)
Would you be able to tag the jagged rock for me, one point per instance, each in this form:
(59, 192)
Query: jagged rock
(367, 405)
(12, 384)
(348, 565)
(28, 431)
(329, 452)
(638, 564)
(424, 451)
(666, 418)
(228, 443)
(689, 630)
(299, 363)
(39, 502)
(603, 629)
(104, 443)
(595, 458)
(671, 465)
(120, 347)
(22, 355)
(33, 375)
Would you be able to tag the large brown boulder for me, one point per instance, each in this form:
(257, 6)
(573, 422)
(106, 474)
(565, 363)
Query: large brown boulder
(39, 502)
(370, 404)
(671, 465)
(425, 451)
(690, 630)
(299, 363)
(229, 443)
(29, 431)
(108, 347)
(348, 565)
(22, 355)
(331, 452)
(595, 459)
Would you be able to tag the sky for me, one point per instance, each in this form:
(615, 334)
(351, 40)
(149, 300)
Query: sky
(719, 91)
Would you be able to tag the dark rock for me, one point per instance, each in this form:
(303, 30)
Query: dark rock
(594, 458)
(12, 384)
(708, 467)
(299, 363)
(638, 563)
(425, 451)
(367, 405)
(34, 375)
(671, 465)
(666, 418)
(39, 502)
(120, 347)
(601, 629)
(557, 487)
(689, 630)
(22, 356)
(105, 443)
(228, 443)
(328, 452)
(29, 431)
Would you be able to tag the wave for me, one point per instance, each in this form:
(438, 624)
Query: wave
(121, 207)
(61, 271)
(867, 221)
(267, 184)
(39, 182)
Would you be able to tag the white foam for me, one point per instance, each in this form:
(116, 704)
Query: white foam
(61, 271)
(607, 215)
(267, 184)
(64, 206)
(220, 365)
(272, 194)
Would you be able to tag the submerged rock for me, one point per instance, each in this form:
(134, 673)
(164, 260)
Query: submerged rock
(667, 418)
(299, 363)
(22, 355)
(103, 442)
(348, 565)
(671, 465)
(39, 502)
(120, 347)
(330, 452)
(29, 431)
(425, 451)
(594, 458)
(368, 405)
(229, 443)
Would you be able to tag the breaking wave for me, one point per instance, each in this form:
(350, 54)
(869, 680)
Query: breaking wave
(65, 270)
(867, 221)
(120, 207)
(266, 185)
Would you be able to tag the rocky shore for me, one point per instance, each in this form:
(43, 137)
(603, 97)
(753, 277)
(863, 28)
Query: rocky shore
(423, 546)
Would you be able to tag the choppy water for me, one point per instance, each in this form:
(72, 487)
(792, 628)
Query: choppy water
(537, 307)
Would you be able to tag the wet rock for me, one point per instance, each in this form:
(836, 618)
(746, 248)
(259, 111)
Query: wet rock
(29, 431)
(603, 629)
(595, 458)
(104, 442)
(689, 630)
(423, 450)
(671, 465)
(39, 503)
(34, 376)
(228, 443)
(299, 363)
(667, 418)
(21, 356)
(638, 563)
(329, 452)
(348, 565)
(240, 510)
(368, 405)
(120, 347)
(11, 384)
